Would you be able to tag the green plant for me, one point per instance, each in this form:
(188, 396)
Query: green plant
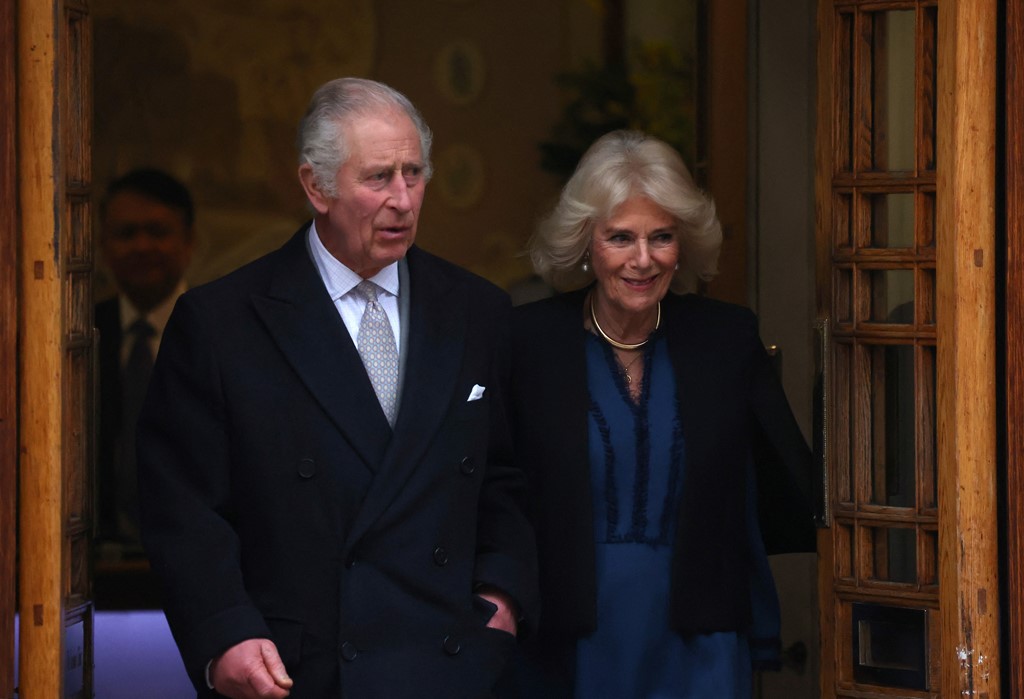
(655, 94)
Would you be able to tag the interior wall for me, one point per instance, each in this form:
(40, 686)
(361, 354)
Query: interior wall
(213, 91)
(782, 74)
(489, 190)
(726, 137)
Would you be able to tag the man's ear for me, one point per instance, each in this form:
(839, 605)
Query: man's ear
(317, 199)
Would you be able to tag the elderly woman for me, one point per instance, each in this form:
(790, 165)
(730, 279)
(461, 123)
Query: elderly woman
(664, 460)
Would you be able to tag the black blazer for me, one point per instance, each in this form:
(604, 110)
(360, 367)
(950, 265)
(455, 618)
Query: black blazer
(277, 502)
(731, 405)
(107, 319)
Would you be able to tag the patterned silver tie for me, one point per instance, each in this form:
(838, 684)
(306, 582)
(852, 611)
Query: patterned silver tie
(377, 348)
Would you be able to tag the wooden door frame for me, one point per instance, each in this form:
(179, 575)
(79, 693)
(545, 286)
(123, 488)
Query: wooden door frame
(8, 347)
(1013, 357)
(40, 509)
(966, 265)
(55, 343)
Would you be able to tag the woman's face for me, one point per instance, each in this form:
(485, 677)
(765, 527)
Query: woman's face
(634, 253)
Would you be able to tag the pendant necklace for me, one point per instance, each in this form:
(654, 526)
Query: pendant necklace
(625, 367)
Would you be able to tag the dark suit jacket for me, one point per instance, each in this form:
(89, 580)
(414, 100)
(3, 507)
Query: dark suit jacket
(731, 405)
(276, 502)
(108, 322)
(113, 587)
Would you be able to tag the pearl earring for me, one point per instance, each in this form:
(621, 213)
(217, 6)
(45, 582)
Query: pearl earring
(585, 265)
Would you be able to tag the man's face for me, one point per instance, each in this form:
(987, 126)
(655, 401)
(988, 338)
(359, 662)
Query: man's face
(372, 220)
(146, 245)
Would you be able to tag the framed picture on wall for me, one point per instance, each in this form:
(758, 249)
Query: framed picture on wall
(459, 72)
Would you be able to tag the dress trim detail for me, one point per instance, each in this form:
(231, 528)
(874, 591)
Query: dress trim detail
(640, 412)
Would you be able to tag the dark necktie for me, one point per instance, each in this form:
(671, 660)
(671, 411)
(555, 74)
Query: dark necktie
(134, 379)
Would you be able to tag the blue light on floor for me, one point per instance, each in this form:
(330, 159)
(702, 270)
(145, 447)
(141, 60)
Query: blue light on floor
(135, 656)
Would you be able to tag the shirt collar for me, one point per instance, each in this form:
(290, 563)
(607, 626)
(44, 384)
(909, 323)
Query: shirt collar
(157, 317)
(341, 280)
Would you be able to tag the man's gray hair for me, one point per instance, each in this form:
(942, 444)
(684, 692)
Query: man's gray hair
(321, 138)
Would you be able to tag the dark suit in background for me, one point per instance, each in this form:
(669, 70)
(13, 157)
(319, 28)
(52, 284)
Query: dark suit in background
(112, 427)
(108, 322)
(147, 237)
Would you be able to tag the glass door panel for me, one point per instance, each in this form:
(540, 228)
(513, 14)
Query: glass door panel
(891, 554)
(892, 220)
(889, 294)
(893, 68)
(893, 476)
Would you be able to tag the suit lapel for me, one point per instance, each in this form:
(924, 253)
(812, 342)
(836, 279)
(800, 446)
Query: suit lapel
(437, 330)
(303, 321)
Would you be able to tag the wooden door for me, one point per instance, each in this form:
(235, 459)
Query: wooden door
(1013, 358)
(8, 348)
(55, 358)
(905, 200)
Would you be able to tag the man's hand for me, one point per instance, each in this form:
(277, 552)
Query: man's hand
(251, 670)
(505, 618)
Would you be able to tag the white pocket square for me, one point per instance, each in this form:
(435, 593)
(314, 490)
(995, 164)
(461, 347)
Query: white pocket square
(476, 393)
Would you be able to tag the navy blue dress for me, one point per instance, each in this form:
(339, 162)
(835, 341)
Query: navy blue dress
(637, 457)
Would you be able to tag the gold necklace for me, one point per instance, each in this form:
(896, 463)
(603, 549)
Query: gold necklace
(625, 367)
(621, 345)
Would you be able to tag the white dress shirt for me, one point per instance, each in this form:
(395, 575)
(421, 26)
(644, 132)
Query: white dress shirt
(342, 281)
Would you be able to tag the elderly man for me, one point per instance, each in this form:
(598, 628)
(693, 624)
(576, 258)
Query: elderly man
(326, 490)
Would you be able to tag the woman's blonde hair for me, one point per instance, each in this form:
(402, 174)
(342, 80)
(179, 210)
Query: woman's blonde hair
(620, 165)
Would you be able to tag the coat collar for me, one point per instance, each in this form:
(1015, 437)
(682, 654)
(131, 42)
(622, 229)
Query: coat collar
(304, 323)
(300, 316)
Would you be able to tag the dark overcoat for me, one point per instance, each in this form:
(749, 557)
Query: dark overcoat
(277, 502)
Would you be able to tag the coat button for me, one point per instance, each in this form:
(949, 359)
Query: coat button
(467, 466)
(307, 468)
(348, 651)
(451, 645)
(440, 556)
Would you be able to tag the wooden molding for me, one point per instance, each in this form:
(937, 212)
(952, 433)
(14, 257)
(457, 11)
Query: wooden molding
(1014, 357)
(40, 516)
(8, 348)
(824, 167)
(55, 350)
(966, 265)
